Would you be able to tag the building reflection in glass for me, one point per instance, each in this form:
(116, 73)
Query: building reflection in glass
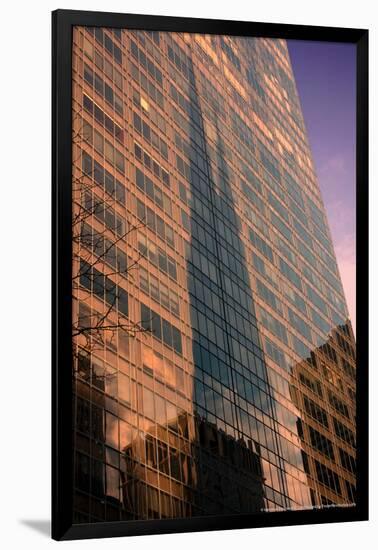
(214, 371)
(326, 423)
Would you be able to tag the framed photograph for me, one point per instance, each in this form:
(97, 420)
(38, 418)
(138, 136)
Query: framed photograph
(210, 353)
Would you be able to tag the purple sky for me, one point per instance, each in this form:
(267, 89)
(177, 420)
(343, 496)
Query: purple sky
(325, 74)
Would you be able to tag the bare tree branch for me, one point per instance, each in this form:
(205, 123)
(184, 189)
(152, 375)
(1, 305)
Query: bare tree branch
(92, 250)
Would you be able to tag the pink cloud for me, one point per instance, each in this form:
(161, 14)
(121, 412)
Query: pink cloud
(334, 166)
(341, 218)
(345, 250)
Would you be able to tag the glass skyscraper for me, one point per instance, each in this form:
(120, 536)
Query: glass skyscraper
(214, 359)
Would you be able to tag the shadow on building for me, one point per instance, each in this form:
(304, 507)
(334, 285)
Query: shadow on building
(216, 268)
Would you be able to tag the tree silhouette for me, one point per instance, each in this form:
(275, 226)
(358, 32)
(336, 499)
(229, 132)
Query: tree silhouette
(99, 238)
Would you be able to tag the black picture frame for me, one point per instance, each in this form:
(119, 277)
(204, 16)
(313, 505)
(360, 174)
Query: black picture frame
(62, 474)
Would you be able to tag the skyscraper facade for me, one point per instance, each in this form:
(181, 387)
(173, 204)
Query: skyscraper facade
(214, 360)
